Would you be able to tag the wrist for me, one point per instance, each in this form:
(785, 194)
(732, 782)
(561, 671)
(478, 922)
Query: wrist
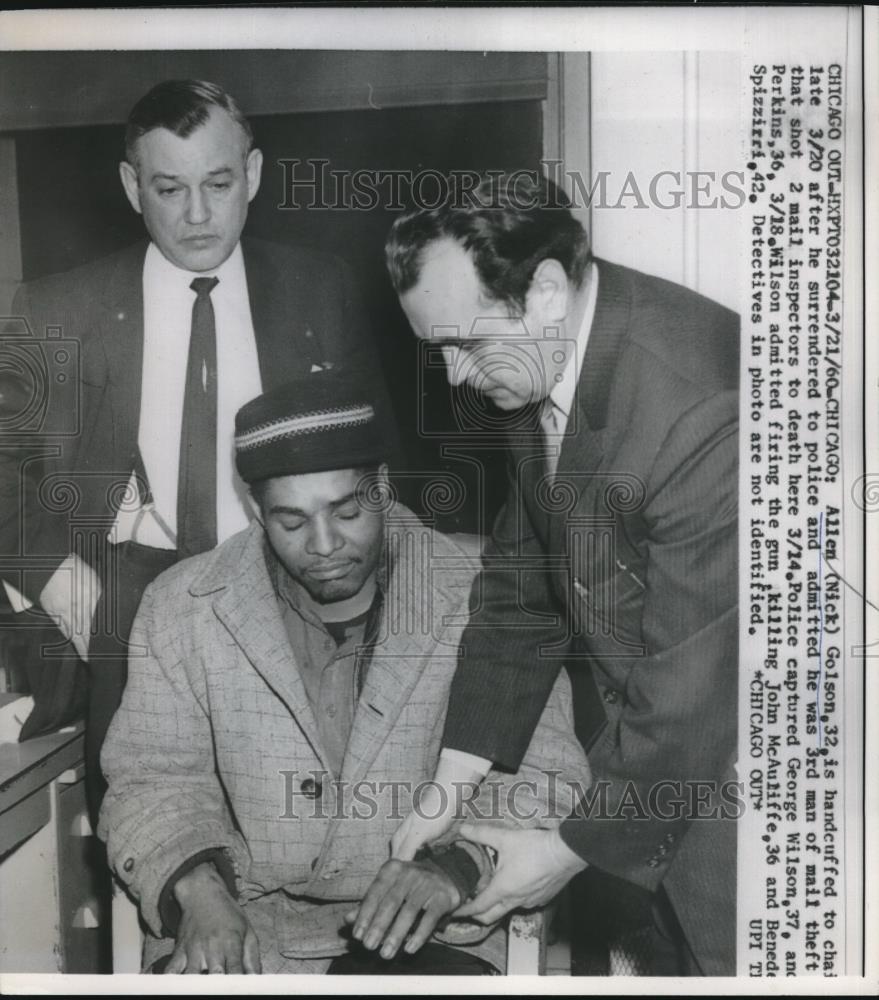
(562, 855)
(457, 892)
(203, 877)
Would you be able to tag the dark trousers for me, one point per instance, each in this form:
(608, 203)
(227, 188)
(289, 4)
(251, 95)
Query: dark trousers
(609, 913)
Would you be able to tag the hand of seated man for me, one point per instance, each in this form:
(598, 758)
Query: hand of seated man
(403, 892)
(214, 935)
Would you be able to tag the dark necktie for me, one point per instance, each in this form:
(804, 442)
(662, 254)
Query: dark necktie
(197, 480)
(553, 434)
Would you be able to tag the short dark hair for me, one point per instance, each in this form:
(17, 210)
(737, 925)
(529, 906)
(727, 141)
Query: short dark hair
(509, 223)
(181, 106)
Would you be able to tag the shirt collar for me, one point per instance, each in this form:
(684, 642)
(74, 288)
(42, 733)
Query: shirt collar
(562, 394)
(158, 266)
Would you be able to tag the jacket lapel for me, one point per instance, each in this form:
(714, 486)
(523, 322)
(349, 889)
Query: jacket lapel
(405, 643)
(388, 687)
(584, 443)
(247, 605)
(121, 332)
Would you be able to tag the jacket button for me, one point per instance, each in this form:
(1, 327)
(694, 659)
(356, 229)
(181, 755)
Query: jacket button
(129, 864)
(662, 850)
(670, 838)
(611, 696)
(311, 789)
(653, 863)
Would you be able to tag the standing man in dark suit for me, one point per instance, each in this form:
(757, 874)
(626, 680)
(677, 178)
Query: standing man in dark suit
(615, 555)
(173, 336)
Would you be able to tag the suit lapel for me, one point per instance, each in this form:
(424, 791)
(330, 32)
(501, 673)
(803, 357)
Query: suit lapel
(248, 607)
(121, 332)
(584, 443)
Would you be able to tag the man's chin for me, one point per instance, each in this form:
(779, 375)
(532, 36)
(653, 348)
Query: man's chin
(199, 257)
(504, 400)
(330, 591)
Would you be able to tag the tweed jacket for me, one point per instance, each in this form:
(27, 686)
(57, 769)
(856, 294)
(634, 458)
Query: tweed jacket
(631, 555)
(215, 744)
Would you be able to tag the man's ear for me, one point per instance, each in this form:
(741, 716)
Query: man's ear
(253, 170)
(255, 507)
(128, 176)
(549, 290)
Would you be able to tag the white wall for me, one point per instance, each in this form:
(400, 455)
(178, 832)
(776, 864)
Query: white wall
(640, 114)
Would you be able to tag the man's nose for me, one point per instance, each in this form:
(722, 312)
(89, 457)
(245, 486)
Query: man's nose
(455, 370)
(197, 208)
(325, 538)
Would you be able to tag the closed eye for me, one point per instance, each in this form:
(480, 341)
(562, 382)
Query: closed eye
(292, 525)
(348, 511)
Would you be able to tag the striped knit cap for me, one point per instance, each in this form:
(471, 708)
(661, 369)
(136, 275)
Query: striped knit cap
(317, 423)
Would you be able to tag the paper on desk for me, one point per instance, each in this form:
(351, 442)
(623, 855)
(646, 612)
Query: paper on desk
(18, 601)
(12, 718)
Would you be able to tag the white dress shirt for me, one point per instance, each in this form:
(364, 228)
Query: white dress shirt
(167, 323)
(561, 398)
(555, 421)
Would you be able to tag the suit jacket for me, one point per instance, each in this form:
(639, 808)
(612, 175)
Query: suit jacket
(624, 567)
(73, 468)
(215, 744)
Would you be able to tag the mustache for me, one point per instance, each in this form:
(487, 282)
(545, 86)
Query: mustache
(328, 561)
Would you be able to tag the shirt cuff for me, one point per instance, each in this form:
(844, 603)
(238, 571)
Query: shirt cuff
(169, 908)
(459, 758)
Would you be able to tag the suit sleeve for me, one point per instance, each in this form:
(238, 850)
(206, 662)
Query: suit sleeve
(504, 677)
(164, 803)
(668, 749)
(553, 777)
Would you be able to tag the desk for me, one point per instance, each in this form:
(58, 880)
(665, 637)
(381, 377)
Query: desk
(55, 912)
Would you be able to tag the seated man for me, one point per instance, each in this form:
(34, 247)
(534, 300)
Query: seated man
(286, 696)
